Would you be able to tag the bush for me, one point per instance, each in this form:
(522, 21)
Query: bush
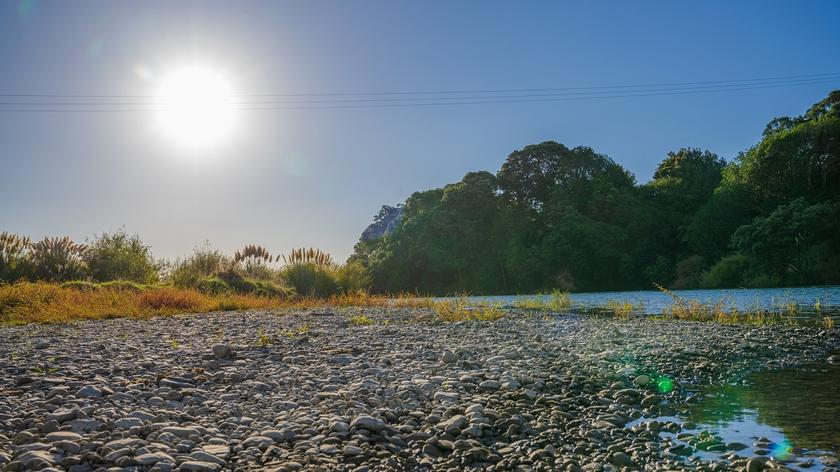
(212, 285)
(353, 277)
(118, 256)
(203, 262)
(311, 280)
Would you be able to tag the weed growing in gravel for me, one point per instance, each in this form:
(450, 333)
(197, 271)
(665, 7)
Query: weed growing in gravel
(459, 310)
(299, 331)
(263, 339)
(361, 320)
(828, 322)
(694, 310)
(624, 310)
(175, 344)
(557, 300)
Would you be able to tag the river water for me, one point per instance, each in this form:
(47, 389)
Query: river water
(809, 301)
(791, 415)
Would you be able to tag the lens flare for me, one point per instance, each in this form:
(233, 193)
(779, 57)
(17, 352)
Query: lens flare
(664, 384)
(781, 450)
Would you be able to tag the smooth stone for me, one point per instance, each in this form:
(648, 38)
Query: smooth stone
(89, 391)
(63, 436)
(153, 458)
(642, 380)
(368, 422)
(221, 351)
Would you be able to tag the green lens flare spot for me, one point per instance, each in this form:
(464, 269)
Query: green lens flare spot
(664, 384)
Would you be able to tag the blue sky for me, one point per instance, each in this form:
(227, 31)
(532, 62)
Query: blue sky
(316, 177)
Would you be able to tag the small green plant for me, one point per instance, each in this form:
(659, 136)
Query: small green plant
(299, 331)
(459, 310)
(560, 300)
(175, 344)
(263, 340)
(361, 320)
(817, 305)
(557, 300)
(828, 322)
(624, 310)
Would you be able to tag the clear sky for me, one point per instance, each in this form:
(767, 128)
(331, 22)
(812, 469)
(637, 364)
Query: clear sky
(315, 177)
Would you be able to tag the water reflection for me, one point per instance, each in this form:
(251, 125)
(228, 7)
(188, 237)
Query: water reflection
(790, 415)
(803, 404)
(805, 301)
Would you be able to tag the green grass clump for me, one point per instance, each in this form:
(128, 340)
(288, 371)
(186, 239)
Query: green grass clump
(81, 285)
(558, 300)
(361, 320)
(459, 310)
(263, 339)
(623, 309)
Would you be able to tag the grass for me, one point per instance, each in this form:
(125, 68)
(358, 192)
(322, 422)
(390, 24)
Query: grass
(263, 339)
(361, 320)
(293, 333)
(693, 310)
(41, 302)
(459, 310)
(44, 302)
(557, 300)
(624, 310)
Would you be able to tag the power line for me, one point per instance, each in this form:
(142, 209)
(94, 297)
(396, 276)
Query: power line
(444, 98)
(414, 102)
(444, 92)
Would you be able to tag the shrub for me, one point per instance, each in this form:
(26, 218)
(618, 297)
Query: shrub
(353, 277)
(730, 271)
(203, 262)
(311, 280)
(118, 256)
(212, 285)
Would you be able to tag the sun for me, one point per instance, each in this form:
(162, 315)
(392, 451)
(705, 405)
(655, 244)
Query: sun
(195, 107)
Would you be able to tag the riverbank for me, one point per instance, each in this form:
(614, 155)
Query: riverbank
(373, 388)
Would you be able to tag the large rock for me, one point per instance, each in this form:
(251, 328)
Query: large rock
(368, 422)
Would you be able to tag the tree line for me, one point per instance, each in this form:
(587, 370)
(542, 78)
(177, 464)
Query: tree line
(574, 219)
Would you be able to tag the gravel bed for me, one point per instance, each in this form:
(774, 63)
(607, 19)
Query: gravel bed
(329, 390)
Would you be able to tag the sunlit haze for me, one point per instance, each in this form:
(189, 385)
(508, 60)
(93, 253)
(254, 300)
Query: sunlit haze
(195, 107)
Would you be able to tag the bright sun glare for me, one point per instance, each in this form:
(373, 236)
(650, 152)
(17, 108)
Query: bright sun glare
(195, 107)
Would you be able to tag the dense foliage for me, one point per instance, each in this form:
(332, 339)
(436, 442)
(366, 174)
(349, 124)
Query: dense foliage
(554, 217)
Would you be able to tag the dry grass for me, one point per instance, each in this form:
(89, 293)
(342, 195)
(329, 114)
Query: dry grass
(694, 310)
(624, 309)
(557, 300)
(41, 302)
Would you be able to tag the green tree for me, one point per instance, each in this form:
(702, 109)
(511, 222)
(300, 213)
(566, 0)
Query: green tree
(783, 243)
